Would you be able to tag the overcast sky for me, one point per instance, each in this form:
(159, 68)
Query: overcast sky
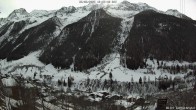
(7, 6)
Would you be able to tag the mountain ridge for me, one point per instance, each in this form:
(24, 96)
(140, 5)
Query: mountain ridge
(125, 5)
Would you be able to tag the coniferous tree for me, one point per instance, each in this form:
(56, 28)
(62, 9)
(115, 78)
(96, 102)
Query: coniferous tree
(140, 80)
(59, 82)
(64, 83)
(34, 75)
(158, 62)
(69, 82)
(88, 81)
(111, 81)
(110, 75)
(178, 68)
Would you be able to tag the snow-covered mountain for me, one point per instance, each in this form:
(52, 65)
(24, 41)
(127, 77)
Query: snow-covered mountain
(70, 36)
(40, 13)
(65, 11)
(125, 5)
(18, 14)
(176, 13)
(122, 8)
(59, 24)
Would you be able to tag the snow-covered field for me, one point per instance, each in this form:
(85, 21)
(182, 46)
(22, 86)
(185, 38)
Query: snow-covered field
(29, 65)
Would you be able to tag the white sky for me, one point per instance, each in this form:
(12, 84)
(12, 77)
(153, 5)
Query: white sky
(7, 6)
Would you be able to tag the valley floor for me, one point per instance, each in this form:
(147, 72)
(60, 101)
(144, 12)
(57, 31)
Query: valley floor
(108, 86)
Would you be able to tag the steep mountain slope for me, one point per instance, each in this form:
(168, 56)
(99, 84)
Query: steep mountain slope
(4, 29)
(83, 43)
(30, 40)
(10, 31)
(160, 36)
(2, 21)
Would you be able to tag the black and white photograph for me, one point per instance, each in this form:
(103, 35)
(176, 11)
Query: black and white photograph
(97, 54)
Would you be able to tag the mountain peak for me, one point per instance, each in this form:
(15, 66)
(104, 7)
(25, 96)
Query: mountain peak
(96, 14)
(93, 6)
(142, 4)
(38, 13)
(20, 10)
(125, 2)
(66, 10)
(18, 13)
(176, 13)
(126, 5)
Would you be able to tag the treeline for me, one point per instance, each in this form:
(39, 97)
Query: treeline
(174, 69)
